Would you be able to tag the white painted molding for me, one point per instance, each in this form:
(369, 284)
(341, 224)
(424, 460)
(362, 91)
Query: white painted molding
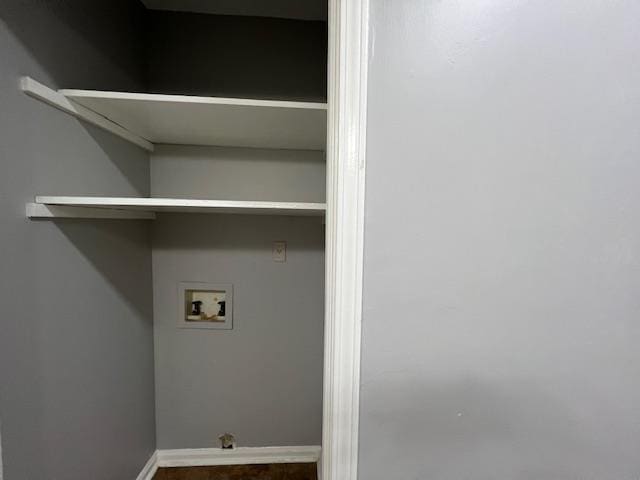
(150, 468)
(192, 457)
(348, 57)
(41, 92)
(39, 210)
(1, 476)
(199, 457)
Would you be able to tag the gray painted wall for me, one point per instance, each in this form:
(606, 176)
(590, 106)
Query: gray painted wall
(262, 380)
(502, 264)
(224, 173)
(76, 348)
(235, 56)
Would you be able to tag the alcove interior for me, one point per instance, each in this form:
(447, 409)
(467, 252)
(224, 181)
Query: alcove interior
(113, 357)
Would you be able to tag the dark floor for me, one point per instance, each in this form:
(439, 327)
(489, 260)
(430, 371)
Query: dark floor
(277, 471)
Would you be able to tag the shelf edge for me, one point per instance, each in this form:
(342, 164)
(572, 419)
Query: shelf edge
(193, 99)
(157, 202)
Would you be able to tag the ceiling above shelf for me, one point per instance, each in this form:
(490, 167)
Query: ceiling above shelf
(294, 9)
(147, 119)
(144, 208)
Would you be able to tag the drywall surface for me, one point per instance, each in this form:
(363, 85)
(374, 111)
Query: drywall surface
(261, 381)
(76, 342)
(234, 56)
(502, 262)
(222, 173)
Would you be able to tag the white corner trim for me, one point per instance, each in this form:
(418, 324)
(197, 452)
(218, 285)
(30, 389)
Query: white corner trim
(346, 144)
(192, 457)
(37, 90)
(149, 470)
(0, 450)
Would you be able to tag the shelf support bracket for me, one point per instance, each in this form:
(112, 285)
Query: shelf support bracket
(50, 212)
(37, 90)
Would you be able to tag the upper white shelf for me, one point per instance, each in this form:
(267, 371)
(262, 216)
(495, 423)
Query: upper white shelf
(191, 120)
(144, 207)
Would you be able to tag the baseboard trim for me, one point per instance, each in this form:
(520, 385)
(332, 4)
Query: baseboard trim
(203, 457)
(196, 457)
(149, 470)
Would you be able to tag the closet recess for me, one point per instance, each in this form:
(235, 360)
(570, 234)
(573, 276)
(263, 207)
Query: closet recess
(147, 119)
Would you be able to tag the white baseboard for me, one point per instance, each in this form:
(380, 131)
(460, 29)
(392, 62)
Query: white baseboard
(191, 457)
(199, 457)
(149, 470)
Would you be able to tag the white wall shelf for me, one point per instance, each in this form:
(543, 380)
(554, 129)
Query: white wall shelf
(124, 207)
(146, 119)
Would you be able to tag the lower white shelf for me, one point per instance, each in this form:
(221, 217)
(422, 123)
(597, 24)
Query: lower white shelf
(145, 208)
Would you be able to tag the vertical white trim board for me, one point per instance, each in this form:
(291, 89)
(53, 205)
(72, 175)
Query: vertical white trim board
(346, 137)
(149, 469)
(1, 451)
